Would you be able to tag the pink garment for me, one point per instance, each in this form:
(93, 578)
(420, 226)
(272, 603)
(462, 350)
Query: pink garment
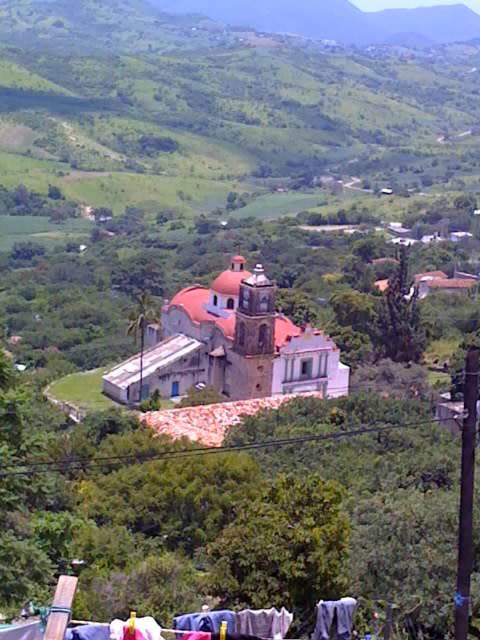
(145, 629)
(197, 635)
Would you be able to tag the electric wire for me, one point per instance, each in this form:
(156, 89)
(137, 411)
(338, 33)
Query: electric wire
(141, 458)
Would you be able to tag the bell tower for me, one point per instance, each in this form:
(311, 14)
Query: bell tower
(255, 324)
(254, 342)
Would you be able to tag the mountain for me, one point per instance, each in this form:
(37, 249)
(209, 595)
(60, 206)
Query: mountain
(442, 24)
(334, 20)
(96, 25)
(339, 19)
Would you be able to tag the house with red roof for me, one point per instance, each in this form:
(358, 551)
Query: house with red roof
(231, 337)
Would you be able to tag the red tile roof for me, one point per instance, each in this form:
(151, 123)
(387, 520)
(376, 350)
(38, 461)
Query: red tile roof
(453, 283)
(430, 274)
(284, 329)
(192, 299)
(382, 285)
(228, 282)
(208, 424)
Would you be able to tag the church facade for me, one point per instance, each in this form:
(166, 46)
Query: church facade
(230, 337)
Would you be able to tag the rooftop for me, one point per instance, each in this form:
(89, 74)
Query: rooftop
(208, 424)
(159, 356)
(193, 299)
(452, 283)
(430, 274)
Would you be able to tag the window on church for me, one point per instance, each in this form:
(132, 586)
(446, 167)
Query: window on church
(215, 301)
(306, 367)
(262, 336)
(264, 304)
(241, 335)
(241, 266)
(230, 303)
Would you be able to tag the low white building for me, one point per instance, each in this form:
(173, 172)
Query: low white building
(460, 236)
(397, 229)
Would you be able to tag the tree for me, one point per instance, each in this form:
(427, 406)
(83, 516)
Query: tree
(395, 379)
(359, 275)
(140, 317)
(355, 309)
(185, 503)
(54, 193)
(288, 546)
(298, 306)
(27, 251)
(400, 336)
(356, 347)
(201, 397)
(6, 371)
(466, 202)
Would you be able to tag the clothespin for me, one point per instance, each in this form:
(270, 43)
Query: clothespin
(131, 623)
(223, 630)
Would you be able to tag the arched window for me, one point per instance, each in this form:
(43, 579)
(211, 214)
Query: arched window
(230, 303)
(215, 301)
(241, 334)
(262, 336)
(263, 304)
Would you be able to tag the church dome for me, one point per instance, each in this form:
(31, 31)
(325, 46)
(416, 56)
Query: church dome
(228, 282)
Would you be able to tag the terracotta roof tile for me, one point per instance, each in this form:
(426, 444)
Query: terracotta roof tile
(228, 282)
(430, 274)
(208, 424)
(453, 283)
(382, 285)
(192, 299)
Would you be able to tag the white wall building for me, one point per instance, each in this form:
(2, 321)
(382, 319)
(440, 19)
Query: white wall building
(231, 337)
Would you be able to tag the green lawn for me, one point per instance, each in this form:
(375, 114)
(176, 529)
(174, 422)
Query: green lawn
(83, 390)
(38, 229)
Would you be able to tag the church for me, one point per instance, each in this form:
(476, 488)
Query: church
(230, 337)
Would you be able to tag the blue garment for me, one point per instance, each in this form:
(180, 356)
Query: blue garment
(88, 632)
(340, 610)
(209, 622)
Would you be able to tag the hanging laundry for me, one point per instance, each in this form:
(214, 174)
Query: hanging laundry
(339, 612)
(88, 632)
(29, 631)
(206, 621)
(197, 635)
(235, 636)
(135, 629)
(264, 623)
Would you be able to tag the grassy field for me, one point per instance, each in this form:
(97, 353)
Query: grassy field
(38, 229)
(275, 205)
(84, 390)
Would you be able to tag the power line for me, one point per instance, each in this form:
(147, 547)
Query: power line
(141, 458)
(136, 456)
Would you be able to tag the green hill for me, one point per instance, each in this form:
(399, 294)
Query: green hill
(137, 93)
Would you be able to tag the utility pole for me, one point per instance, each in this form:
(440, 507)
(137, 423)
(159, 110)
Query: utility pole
(465, 532)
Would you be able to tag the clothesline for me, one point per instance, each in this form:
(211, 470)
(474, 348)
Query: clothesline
(74, 623)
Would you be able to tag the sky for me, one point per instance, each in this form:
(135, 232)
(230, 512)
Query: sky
(375, 5)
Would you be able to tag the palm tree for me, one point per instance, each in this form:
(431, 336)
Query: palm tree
(140, 317)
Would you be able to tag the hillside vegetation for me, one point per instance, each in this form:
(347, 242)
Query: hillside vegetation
(212, 111)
